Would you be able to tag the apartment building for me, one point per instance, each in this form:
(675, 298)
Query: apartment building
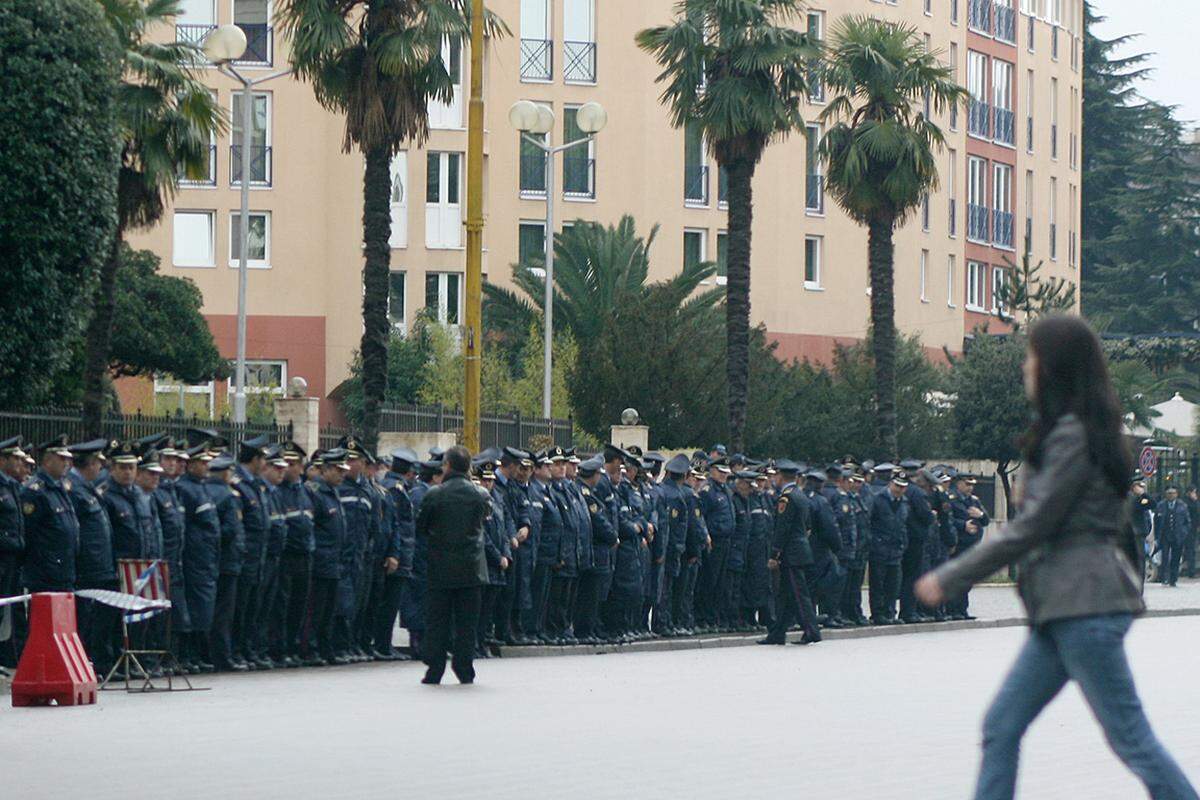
(1010, 174)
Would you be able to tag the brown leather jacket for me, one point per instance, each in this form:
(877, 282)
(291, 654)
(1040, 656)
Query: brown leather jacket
(1069, 541)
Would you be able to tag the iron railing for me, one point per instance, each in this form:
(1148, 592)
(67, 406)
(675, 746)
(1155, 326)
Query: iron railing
(979, 119)
(1005, 23)
(1003, 124)
(260, 44)
(953, 217)
(977, 222)
(209, 174)
(537, 59)
(579, 62)
(192, 33)
(695, 184)
(260, 165)
(533, 173)
(1002, 223)
(979, 16)
(579, 177)
(40, 424)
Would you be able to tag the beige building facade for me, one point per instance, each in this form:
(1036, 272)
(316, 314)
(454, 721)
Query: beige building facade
(1010, 171)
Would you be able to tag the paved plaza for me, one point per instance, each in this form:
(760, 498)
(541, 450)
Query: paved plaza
(886, 717)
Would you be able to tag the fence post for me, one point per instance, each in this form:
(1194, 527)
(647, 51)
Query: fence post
(441, 418)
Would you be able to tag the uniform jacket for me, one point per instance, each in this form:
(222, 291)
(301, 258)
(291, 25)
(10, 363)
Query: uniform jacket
(201, 532)
(889, 527)
(1172, 522)
(674, 519)
(362, 525)
(583, 524)
(602, 512)
(736, 561)
(496, 542)
(403, 521)
(826, 539)
(960, 516)
(12, 521)
(628, 570)
(297, 507)
(789, 534)
(559, 492)
(128, 528)
(256, 519)
(51, 533)
(452, 517)
(920, 514)
(547, 519)
(171, 518)
(279, 528)
(329, 529)
(228, 501)
(95, 563)
(697, 533)
(1141, 514)
(716, 503)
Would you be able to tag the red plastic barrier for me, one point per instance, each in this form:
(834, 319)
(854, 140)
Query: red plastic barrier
(54, 666)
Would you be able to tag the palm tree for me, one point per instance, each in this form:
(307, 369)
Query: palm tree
(738, 71)
(380, 64)
(879, 153)
(167, 118)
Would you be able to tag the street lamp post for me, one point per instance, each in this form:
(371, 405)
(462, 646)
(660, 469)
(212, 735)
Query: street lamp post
(533, 119)
(223, 46)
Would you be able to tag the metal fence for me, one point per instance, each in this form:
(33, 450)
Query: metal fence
(42, 424)
(495, 430)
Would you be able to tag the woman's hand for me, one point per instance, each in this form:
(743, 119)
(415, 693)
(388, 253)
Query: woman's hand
(928, 590)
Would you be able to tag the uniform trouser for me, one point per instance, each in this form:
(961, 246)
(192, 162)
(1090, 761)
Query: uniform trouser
(712, 573)
(962, 605)
(12, 617)
(587, 604)
(523, 615)
(827, 589)
(452, 623)
(487, 614)
(1189, 555)
(683, 592)
(221, 636)
(295, 572)
(324, 596)
(1172, 550)
(373, 582)
(506, 599)
(885, 587)
(384, 625)
(99, 625)
(912, 565)
(265, 634)
(562, 602)
(664, 617)
(792, 601)
(534, 623)
(244, 615)
(620, 613)
(852, 591)
(730, 608)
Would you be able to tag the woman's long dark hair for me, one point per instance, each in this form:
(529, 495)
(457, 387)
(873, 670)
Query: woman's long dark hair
(1072, 378)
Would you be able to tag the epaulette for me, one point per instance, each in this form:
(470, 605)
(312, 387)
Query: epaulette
(705, 487)
(311, 486)
(585, 491)
(34, 485)
(235, 480)
(101, 489)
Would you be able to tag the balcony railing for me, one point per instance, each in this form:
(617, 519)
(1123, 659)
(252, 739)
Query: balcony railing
(579, 177)
(1028, 233)
(260, 42)
(695, 184)
(192, 33)
(814, 193)
(953, 217)
(979, 16)
(208, 174)
(1003, 123)
(1006, 24)
(979, 119)
(533, 173)
(722, 186)
(260, 165)
(1054, 140)
(1029, 134)
(1053, 240)
(977, 223)
(1002, 223)
(537, 59)
(579, 62)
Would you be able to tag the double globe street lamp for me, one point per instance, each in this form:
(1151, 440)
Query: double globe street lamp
(536, 122)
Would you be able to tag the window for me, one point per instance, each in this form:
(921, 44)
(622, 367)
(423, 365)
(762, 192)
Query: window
(953, 180)
(260, 140)
(977, 210)
(924, 275)
(929, 8)
(816, 33)
(1054, 118)
(997, 288)
(925, 212)
(978, 116)
(443, 296)
(1032, 22)
(953, 12)
(450, 115)
(443, 207)
(579, 163)
(533, 166)
(954, 78)
(398, 201)
(1002, 105)
(262, 377)
(1028, 246)
(694, 244)
(537, 50)
(1029, 98)
(722, 256)
(1072, 246)
(951, 270)
(979, 16)
(253, 17)
(1054, 219)
(192, 239)
(1072, 140)
(1002, 235)
(258, 251)
(579, 41)
(926, 96)
(189, 399)
(531, 245)
(976, 288)
(396, 306)
(814, 180)
(812, 262)
(695, 171)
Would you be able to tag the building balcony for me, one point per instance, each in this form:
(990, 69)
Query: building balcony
(814, 193)
(579, 178)
(579, 62)
(1005, 19)
(207, 175)
(1002, 223)
(1003, 124)
(695, 184)
(260, 41)
(979, 116)
(192, 33)
(537, 60)
(977, 223)
(260, 165)
(979, 16)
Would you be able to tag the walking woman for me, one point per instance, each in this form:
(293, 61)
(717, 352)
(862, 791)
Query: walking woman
(1075, 573)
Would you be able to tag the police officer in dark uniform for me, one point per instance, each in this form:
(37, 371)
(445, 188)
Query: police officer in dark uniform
(95, 567)
(329, 522)
(228, 500)
(624, 602)
(396, 485)
(860, 496)
(941, 539)
(497, 549)
(51, 527)
(716, 504)
(546, 523)
(920, 523)
(256, 528)
(517, 597)
(735, 565)
(1172, 523)
(756, 582)
(970, 521)
(172, 518)
(697, 546)
(601, 503)
(201, 554)
(295, 566)
(565, 577)
(1141, 517)
(791, 554)
(674, 518)
(889, 537)
(837, 493)
(826, 575)
(12, 543)
(267, 631)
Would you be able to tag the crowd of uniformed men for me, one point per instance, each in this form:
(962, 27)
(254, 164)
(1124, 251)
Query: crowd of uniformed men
(281, 558)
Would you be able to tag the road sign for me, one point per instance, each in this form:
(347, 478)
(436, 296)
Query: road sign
(1148, 461)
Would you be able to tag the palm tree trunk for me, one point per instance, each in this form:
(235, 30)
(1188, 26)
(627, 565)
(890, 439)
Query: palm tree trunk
(98, 340)
(377, 255)
(737, 298)
(881, 253)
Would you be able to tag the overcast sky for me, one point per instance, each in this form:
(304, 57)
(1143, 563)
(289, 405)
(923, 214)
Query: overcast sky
(1169, 30)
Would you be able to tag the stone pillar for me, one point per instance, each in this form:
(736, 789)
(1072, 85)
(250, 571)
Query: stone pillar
(303, 414)
(629, 435)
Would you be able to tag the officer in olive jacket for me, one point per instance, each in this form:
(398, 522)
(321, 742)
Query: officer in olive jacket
(451, 519)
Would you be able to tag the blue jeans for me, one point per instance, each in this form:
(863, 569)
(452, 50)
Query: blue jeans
(1089, 651)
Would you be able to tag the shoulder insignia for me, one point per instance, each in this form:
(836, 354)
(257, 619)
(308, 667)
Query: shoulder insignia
(705, 488)
(845, 508)
(782, 505)
(67, 484)
(28, 508)
(235, 479)
(34, 485)
(697, 512)
(674, 513)
(586, 491)
(593, 508)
